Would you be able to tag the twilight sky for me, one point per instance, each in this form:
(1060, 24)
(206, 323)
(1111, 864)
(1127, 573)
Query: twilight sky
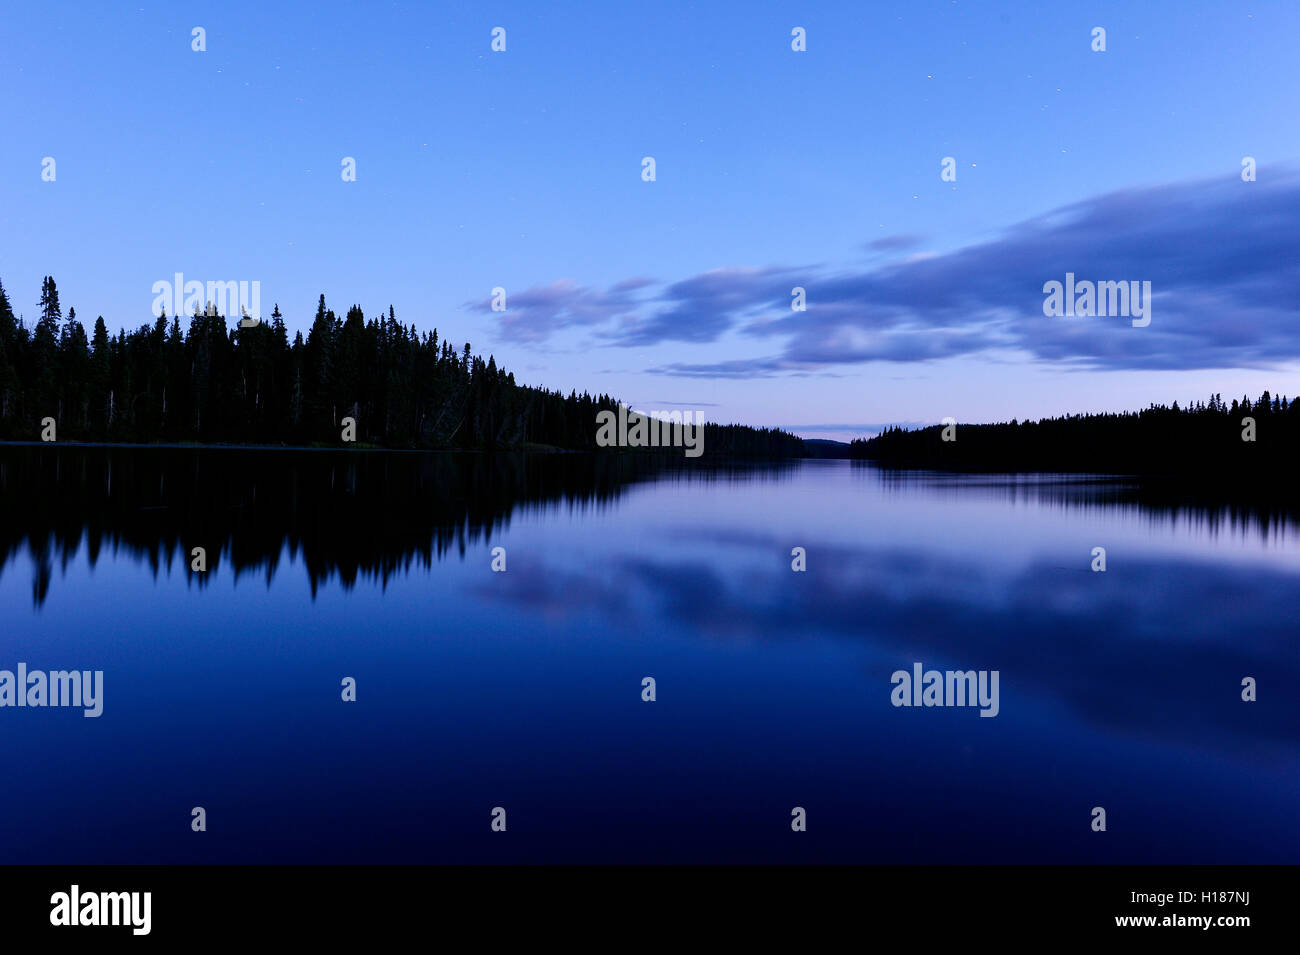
(775, 169)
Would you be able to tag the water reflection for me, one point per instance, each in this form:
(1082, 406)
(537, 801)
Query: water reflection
(1156, 650)
(355, 515)
(1264, 512)
(347, 515)
(1120, 689)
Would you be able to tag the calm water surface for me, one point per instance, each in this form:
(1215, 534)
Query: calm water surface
(523, 689)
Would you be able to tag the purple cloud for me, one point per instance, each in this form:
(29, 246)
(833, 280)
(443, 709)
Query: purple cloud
(534, 314)
(1222, 257)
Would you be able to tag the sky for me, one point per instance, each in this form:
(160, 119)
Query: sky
(774, 169)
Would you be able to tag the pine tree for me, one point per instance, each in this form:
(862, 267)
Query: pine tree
(100, 376)
(45, 351)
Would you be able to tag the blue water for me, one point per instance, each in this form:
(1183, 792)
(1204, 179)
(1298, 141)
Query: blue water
(522, 689)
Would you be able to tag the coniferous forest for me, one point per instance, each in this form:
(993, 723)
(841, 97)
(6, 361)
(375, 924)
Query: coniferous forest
(1253, 440)
(202, 380)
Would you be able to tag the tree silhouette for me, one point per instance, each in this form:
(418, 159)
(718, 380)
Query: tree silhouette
(211, 381)
(1201, 439)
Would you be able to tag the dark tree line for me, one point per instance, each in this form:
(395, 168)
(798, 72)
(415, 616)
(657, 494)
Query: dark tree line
(1204, 438)
(199, 379)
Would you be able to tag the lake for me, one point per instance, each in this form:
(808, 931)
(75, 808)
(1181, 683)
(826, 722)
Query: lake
(523, 689)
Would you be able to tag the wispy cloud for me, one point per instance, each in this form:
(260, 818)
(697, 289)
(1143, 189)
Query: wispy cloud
(892, 243)
(1222, 256)
(536, 313)
(702, 308)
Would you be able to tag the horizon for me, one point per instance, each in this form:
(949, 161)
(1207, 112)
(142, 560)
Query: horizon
(821, 169)
(857, 431)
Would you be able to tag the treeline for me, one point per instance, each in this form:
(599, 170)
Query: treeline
(1255, 440)
(208, 382)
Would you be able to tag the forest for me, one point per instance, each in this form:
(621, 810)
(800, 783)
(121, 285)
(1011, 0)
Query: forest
(1253, 441)
(208, 382)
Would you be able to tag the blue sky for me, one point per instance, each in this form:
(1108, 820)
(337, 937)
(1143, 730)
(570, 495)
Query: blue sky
(522, 170)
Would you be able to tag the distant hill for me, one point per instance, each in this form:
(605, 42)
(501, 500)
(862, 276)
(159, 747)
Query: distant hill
(825, 448)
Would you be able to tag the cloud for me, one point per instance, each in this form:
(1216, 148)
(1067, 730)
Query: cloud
(686, 404)
(856, 429)
(892, 243)
(534, 314)
(702, 308)
(1222, 257)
